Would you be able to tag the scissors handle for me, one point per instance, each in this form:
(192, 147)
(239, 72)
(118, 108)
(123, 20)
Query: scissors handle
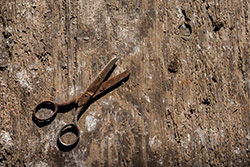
(45, 105)
(69, 128)
(52, 106)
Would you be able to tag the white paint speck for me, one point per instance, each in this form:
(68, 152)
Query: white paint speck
(49, 69)
(160, 161)
(188, 137)
(147, 98)
(107, 101)
(41, 164)
(5, 138)
(137, 50)
(77, 157)
(199, 47)
(179, 14)
(74, 90)
(83, 64)
(154, 142)
(201, 133)
(116, 117)
(61, 123)
(119, 70)
(237, 150)
(46, 147)
(23, 79)
(210, 34)
(90, 123)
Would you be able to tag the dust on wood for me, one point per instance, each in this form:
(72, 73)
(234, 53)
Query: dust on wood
(186, 102)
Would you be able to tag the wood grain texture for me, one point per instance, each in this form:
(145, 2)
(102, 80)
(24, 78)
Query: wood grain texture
(186, 103)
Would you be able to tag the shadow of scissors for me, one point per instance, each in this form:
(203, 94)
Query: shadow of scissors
(81, 103)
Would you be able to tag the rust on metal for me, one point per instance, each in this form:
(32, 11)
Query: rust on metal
(111, 82)
(98, 86)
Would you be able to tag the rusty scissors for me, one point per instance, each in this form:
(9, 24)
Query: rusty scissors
(98, 86)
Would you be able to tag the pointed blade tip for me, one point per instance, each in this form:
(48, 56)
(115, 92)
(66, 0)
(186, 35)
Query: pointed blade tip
(114, 60)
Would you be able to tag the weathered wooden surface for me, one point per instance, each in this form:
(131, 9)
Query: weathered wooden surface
(186, 103)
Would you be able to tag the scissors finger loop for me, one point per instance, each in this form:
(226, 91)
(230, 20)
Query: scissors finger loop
(47, 105)
(70, 128)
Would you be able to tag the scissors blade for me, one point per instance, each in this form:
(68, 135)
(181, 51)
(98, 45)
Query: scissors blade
(111, 82)
(90, 91)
